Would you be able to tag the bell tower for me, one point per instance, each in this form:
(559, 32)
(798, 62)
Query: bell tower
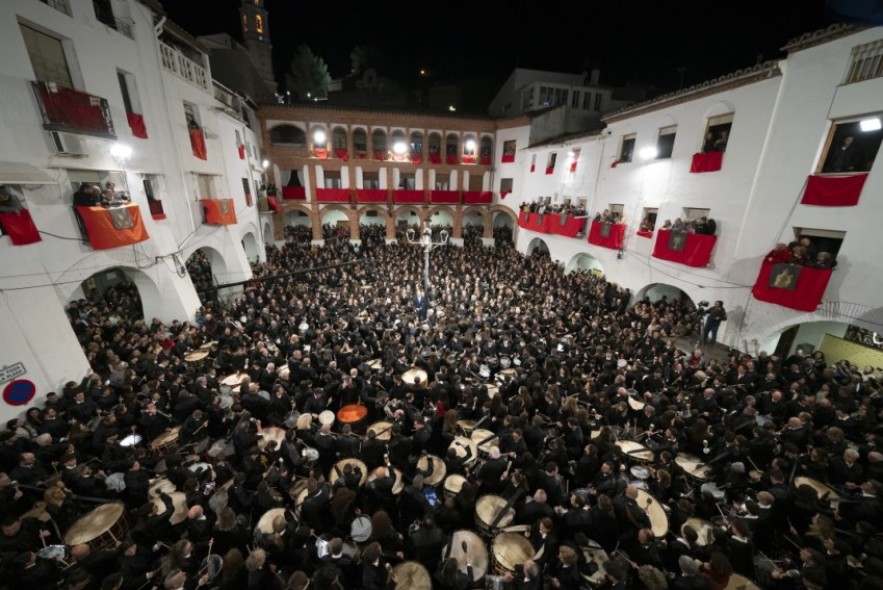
(255, 25)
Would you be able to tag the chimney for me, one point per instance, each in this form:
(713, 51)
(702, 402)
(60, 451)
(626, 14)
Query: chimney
(596, 77)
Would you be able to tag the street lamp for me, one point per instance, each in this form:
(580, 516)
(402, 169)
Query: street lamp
(122, 153)
(425, 240)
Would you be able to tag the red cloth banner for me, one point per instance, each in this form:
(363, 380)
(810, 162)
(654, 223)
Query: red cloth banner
(452, 159)
(570, 226)
(333, 195)
(197, 143)
(136, 124)
(379, 155)
(156, 209)
(113, 227)
(371, 195)
(219, 211)
(417, 159)
(444, 197)
(533, 167)
(294, 193)
(20, 227)
(274, 204)
(320, 153)
(241, 149)
(73, 110)
(707, 162)
(507, 158)
(644, 234)
(804, 296)
(468, 159)
(342, 154)
(696, 249)
(435, 158)
(408, 196)
(550, 169)
(833, 191)
(504, 194)
(484, 161)
(610, 237)
(531, 221)
(478, 197)
(361, 155)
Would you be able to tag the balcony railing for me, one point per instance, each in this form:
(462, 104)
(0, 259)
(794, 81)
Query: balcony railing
(184, 67)
(105, 15)
(59, 5)
(66, 109)
(867, 62)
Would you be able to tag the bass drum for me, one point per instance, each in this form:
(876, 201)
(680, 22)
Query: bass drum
(475, 552)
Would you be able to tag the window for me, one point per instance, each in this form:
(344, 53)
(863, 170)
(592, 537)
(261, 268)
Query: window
(204, 186)
(332, 179)
(648, 221)
(546, 94)
(442, 182)
(259, 24)
(550, 162)
(717, 133)
(360, 140)
(587, 101)
(127, 87)
(506, 185)
(469, 146)
(47, 57)
(850, 148)
(288, 134)
(150, 184)
(246, 191)
(371, 180)
(509, 148)
(665, 143)
(416, 143)
(821, 240)
(238, 137)
(627, 150)
(575, 100)
(598, 102)
(378, 140)
(452, 145)
(560, 96)
(338, 138)
(434, 143)
(191, 114)
(407, 182)
(867, 62)
(616, 210)
(527, 99)
(694, 213)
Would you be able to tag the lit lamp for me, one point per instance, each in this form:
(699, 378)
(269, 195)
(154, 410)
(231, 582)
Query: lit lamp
(319, 138)
(122, 153)
(872, 124)
(399, 148)
(265, 164)
(470, 146)
(425, 240)
(648, 153)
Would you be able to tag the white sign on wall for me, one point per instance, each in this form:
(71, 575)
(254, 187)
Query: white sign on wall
(10, 372)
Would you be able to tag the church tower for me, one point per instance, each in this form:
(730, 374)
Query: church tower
(256, 36)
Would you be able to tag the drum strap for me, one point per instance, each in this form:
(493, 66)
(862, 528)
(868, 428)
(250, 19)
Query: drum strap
(509, 503)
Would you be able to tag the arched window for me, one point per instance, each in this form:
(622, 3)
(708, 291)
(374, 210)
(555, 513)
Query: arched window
(469, 145)
(416, 142)
(486, 147)
(259, 24)
(398, 139)
(288, 134)
(338, 138)
(360, 140)
(378, 140)
(452, 144)
(434, 143)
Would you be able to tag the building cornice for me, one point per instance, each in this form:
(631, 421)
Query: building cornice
(820, 36)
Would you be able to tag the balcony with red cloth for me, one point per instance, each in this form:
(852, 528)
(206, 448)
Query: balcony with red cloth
(435, 158)
(66, 109)
(413, 197)
(452, 159)
(484, 160)
(273, 204)
(684, 248)
(379, 155)
(531, 221)
(342, 154)
(136, 124)
(371, 195)
(568, 225)
(478, 198)
(507, 158)
(791, 285)
(320, 153)
(112, 227)
(219, 211)
(156, 209)
(20, 228)
(644, 233)
(825, 190)
(444, 197)
(416, 159)
(294, 193)
(607, 235)
(197, 143)
(467, 160)
(707, 162)
(361, 155)
(333, 195)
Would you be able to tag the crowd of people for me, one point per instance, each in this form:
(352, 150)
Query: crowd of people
(546, 207)
(801, 252)
(704, 225)
(623, 461)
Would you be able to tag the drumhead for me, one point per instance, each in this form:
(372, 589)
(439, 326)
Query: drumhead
(338, 468)
(360, 529)
(692, 466)
(703, 527)
(656, 513)
(411, 575)
(475, 553)
(454, 483)
(265, 524)
(94, 524)
(383, 430)
(438, 469)
(460, 446)
(326, 417)
(489, 506)
(511, 549)
(483, 439)
(131, 440)
(635, 450)
(272, 433)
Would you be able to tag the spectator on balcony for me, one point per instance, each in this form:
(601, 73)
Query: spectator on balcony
(89, 195)
(678, 225)
(9, 203)
(824, 260)
(272, 190)
(112, 196)
(845, 158)
(720, 143)
(778, 254)
(705, 226)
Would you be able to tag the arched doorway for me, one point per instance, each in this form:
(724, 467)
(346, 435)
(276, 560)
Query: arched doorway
(472, 225)
(131, 293)
(407, 218)
(584, 263)
(504, 224)
(538, 247)
(250, 245)
(336, 223)
(836, 340)
(372, 225)
(660, 291)
(441, 218)
(206, 268)
(269, 238)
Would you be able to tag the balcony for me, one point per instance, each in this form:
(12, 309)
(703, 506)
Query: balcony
(104, 14)
(59, 5)
(182, 66)
(66, 109)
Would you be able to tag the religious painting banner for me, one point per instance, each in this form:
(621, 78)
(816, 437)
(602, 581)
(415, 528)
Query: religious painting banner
(113, 227)
(219, 211)
(677, 240)
(20, 228)
(695, 250)
(833, 191)
(801, 288)
(606, 235)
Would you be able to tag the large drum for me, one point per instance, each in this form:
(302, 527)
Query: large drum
(360, 528)
(399, 484)
(438, 469)
(487, 514)
(693, 467)
(272, 433)
(595, 554)
(354, 415)
(160, 484)
(339, 467)
(484, 440)
(656, 513)
(635, 451)
(416, 376)
(382, 430)
(475, 553)
(453, 484)
(233, 381)
(510, 550)
(179, 501)
(326, 418)
(821, 489)
(265, 524)
(105, 527)
(162, 442)
(703, 527)
(466, 449)
(740, 582)
(411, 575)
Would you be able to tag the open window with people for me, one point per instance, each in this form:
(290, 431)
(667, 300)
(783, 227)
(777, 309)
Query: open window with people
(15, 219)
(710, 156)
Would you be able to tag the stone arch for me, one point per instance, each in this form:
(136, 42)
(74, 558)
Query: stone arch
(288, 134)
(503, 221)
(339, 138)
(269, 236)
(360, 139)
(584, 262)
(656, 291)
(470, 214)
(403, 213)
(452, 144)
(382, 215)
(349, 214)
(149, 293)
(296, 216)
(251, 247)
(378, 140)
(538, 246)
(206, 267)
(443, 215)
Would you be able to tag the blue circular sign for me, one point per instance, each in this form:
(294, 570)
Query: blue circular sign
(19, 392)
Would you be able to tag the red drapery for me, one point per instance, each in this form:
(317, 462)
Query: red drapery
(361, 154)
(241, 149)
(78, 111)
(707, 162)
(417, 159)
(320, 153)
(408, 196)
(219, 211)
(570, 226)
(342, 154)
(333, 195)
(533, 167)
(435, 158)
(613, 238)
(478, 197)
(468, 159)
(371, 195)
(444, 197)
(833, 191)
(804, 296)
(112, 227)
(695, 250)
(644, 234)
(531, 221)
(197, 142)
(136, 124)
(274, 204)
(20, 227)
(156, 209)
(550, 169)
(379, 155)
(504, 194)
(507, 158)
(452, 159)
(294, 193)
(484, 160)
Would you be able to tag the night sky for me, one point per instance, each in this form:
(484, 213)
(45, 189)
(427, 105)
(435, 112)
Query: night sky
(630, 41)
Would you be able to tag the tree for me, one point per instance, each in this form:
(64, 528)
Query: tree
(308, 76)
